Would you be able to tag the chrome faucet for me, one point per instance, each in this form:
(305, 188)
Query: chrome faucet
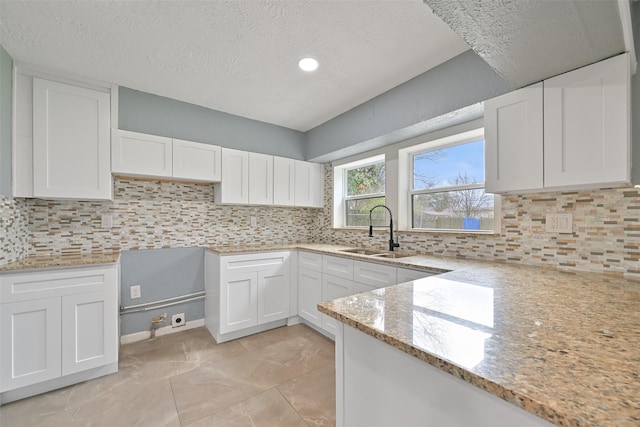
(392, 244)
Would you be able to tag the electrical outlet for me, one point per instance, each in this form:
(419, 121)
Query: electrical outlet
(106, 221)
(135, 292)
(178, 320)
(559, 223)
(254, 221)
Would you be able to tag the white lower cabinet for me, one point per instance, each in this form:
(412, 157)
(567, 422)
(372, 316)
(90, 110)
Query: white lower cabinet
(333, 288)
(57, 323)
(245, 292)
(404, 275)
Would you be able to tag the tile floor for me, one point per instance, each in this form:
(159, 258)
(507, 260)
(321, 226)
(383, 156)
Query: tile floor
(279, 378)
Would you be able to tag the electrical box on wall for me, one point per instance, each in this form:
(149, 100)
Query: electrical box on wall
(178, 320)
(559, 223)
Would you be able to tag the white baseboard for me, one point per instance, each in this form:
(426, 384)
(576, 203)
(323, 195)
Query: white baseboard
(145, 335)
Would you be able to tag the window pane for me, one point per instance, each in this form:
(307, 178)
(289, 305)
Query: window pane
(453, 210)
(358, 212)
(366, 180)
(461, 164)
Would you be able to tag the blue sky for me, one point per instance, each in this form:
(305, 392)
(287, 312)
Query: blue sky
(444, 170)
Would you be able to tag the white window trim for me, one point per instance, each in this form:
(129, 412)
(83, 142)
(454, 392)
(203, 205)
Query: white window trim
(406, 190)
(340, 187)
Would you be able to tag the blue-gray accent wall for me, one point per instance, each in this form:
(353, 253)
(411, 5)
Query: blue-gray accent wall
(157, 115)
(161, 274)
(460, 82)
(6, 89)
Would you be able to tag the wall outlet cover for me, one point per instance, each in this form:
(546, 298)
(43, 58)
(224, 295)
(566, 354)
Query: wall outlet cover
(559, 223)
(178, 320)
(135, 292)
(106, 221)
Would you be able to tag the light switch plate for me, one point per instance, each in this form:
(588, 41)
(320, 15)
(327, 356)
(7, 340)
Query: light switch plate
(106, 221)
(254, 221)
(559, 223)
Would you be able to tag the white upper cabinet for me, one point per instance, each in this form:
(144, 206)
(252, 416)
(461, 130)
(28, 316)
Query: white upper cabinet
(139, 154)
(260, 179)
(579, 138)
(71, 127)
(283, 181)
(513, 141)
(196, 161)
(308, 184)
(587, 125)
(234, 185)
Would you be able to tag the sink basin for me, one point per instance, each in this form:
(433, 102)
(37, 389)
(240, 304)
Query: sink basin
(362, 251)
(376, 253)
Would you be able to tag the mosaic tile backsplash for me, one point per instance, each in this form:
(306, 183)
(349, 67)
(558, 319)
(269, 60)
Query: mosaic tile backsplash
(157, 214)
(14, 230)
(605, 238)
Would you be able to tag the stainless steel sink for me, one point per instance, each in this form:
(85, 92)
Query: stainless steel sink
(376, 253)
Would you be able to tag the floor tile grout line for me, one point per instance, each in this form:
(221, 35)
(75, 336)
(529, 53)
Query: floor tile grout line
(173, 396)
(290, 404)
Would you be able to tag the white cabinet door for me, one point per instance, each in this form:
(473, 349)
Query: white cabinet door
(308, 184)
(333, 288)
(71, 147)
(337, 266)
(239, 301)
(196, 161)
(309, 295)
(513, 141)
(139, 154)
(284, 181)
(273, 295)
(404, 275)
(587, 125)
(234, 185)
(374, 275)
(260, 179)
(310, 261)
(30, 342)
(89, 331)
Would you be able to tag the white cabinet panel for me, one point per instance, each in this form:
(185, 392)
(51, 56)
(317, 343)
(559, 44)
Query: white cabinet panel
(308, 184)
(374, 275)
(586, 125)
(309, 295)
(273, 296)
(513, 141)
(89, 322)
(260, 179)
(71, 149)
(310, 261)
(334, 288)
(234, 185)
(337, 266)
(196, 161)
(139, 154)
(30, 340)
(239, 302)
(283, 181)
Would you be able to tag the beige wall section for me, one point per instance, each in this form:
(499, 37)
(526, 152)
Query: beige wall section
(606, 232)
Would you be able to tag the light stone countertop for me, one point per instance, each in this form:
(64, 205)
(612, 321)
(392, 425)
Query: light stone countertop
(59, 261)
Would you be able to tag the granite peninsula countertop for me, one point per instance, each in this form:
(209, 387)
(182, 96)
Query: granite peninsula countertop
(563, 346)
(59, 261)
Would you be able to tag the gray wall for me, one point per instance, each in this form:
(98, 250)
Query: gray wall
(161, 274)
(156, 115)
(6, 88)
(635, 98)
(459, 82)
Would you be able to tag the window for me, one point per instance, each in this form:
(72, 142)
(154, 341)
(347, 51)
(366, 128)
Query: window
(364, 185)
(447, 189)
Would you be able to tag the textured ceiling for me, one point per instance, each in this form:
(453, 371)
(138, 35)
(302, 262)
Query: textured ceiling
(239, 57)
(526, 41)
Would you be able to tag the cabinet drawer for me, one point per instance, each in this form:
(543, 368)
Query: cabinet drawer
(254, 262)
(52, 283)
(372, 274)
(407, 275)
(336, 266)
(310, 261)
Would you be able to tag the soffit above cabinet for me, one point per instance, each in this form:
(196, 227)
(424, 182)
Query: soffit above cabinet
(526, 41)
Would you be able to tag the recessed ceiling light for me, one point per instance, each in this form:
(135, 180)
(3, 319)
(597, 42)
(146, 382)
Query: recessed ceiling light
(308, 64)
